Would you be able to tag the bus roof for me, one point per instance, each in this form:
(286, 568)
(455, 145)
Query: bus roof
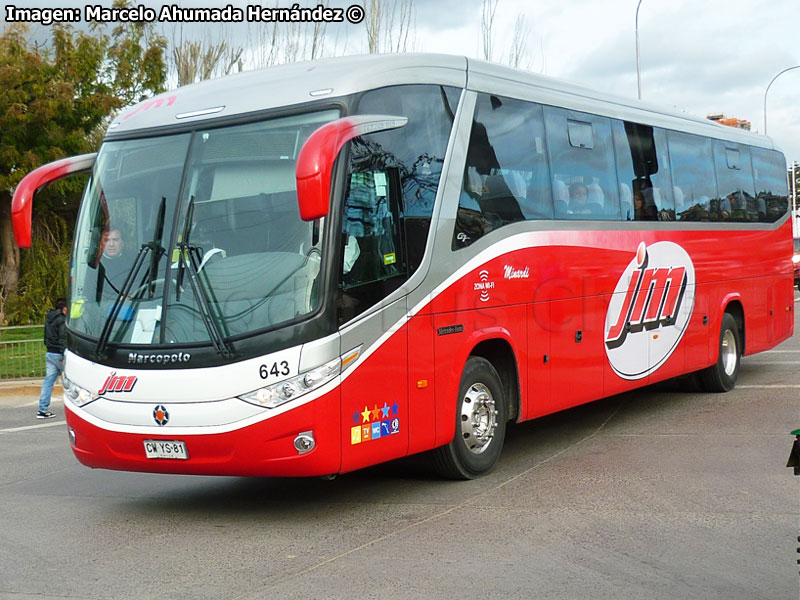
(261, 90)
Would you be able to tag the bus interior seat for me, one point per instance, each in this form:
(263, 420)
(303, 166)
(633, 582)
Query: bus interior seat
(538, 202)
(595, 200)
(498, 199)
(560, 199)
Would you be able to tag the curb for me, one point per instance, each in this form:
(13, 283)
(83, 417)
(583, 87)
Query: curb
(26, 387)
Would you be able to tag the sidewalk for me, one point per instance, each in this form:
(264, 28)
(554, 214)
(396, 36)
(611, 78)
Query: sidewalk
(26, 387)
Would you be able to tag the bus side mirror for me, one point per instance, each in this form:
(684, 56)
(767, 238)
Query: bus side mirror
(317, 156)
(22, 202)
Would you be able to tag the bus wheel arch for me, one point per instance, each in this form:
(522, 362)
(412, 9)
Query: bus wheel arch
(736, 310)
(722, 375)
(501, 355)
(488, 396)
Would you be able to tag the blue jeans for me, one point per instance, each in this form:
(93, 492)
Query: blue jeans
(55, 366)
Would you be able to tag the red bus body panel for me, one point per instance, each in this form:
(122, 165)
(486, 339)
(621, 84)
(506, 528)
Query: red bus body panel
(401, 398)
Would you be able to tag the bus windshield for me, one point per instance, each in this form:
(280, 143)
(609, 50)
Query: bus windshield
(196, 237)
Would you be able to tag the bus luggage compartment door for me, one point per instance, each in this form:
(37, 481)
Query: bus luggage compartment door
(577, 353)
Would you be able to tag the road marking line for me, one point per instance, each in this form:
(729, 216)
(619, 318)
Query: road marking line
(29, 427)
(772, 362)
(36, 403)
(778, 386)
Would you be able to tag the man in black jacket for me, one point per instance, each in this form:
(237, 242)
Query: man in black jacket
(55, 339)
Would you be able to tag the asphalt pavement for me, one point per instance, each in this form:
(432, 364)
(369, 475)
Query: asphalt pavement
(652, 494)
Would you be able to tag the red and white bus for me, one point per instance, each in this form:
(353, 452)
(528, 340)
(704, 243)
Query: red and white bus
(329, 265)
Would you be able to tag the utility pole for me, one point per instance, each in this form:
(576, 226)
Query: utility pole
(767, 90)
(638, 61)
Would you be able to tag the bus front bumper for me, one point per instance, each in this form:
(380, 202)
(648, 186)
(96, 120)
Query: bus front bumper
(273, 447)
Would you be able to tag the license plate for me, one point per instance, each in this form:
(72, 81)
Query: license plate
(165, 449)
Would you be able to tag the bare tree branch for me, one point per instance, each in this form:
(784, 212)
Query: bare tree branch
(518, 53)
(389, 25)
(488, 10)
(198, 60)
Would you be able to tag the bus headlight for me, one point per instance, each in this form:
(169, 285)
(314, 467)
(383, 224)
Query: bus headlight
(280, 393)
(76, 394)
(274, 395)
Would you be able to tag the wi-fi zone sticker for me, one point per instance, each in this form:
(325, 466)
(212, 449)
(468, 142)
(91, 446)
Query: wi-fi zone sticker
(484, 285)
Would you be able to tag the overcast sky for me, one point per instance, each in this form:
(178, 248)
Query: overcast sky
(701, 57)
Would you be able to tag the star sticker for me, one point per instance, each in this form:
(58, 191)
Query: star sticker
(376, 413)
(355, 417)
(365, 415)
(395, 408)
(385, 410)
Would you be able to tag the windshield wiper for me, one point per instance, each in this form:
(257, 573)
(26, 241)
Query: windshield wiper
(203, 307)
(156, 250)
(187, 257)
(184, 245)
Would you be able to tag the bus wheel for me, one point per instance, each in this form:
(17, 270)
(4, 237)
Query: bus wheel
(480, 424)
(721, 377)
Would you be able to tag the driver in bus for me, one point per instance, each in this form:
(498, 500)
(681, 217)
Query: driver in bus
(115, 259)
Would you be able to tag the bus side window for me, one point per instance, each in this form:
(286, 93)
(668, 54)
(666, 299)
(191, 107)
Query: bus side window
(646, 192)
(737, 201)
(417, 150)
(506, 177)
(692, 174)
(373, 257)
(582, 165)
(769, 173)
(392, 185)
(372, 245)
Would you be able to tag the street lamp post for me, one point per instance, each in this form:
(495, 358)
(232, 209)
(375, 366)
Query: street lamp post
(767, 90)
(638, 62)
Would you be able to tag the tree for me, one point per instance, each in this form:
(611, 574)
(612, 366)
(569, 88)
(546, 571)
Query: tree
(52, 101)
(198, 60)
(518, 52)
(389, 24)
(136, 64)
(283, 43)
(488, 10)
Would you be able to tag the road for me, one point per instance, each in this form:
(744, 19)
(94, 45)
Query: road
(653, 494)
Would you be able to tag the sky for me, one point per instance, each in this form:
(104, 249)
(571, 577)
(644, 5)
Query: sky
(709, 57)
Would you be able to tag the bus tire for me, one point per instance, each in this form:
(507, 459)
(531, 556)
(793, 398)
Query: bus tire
(480, 424)
(721, 376)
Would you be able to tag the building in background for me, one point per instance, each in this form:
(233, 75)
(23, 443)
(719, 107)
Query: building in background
(730, 121)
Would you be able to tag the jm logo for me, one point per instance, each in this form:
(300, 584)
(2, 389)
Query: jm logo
(649, 310)
(653, 299)
(118, 383)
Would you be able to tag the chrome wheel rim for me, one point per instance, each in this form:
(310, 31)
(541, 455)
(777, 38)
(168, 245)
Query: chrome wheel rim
(729, 352)
(478, 418)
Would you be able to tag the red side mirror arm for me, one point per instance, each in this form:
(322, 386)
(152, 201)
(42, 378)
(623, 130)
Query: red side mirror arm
(22, 202)
(316, 158)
